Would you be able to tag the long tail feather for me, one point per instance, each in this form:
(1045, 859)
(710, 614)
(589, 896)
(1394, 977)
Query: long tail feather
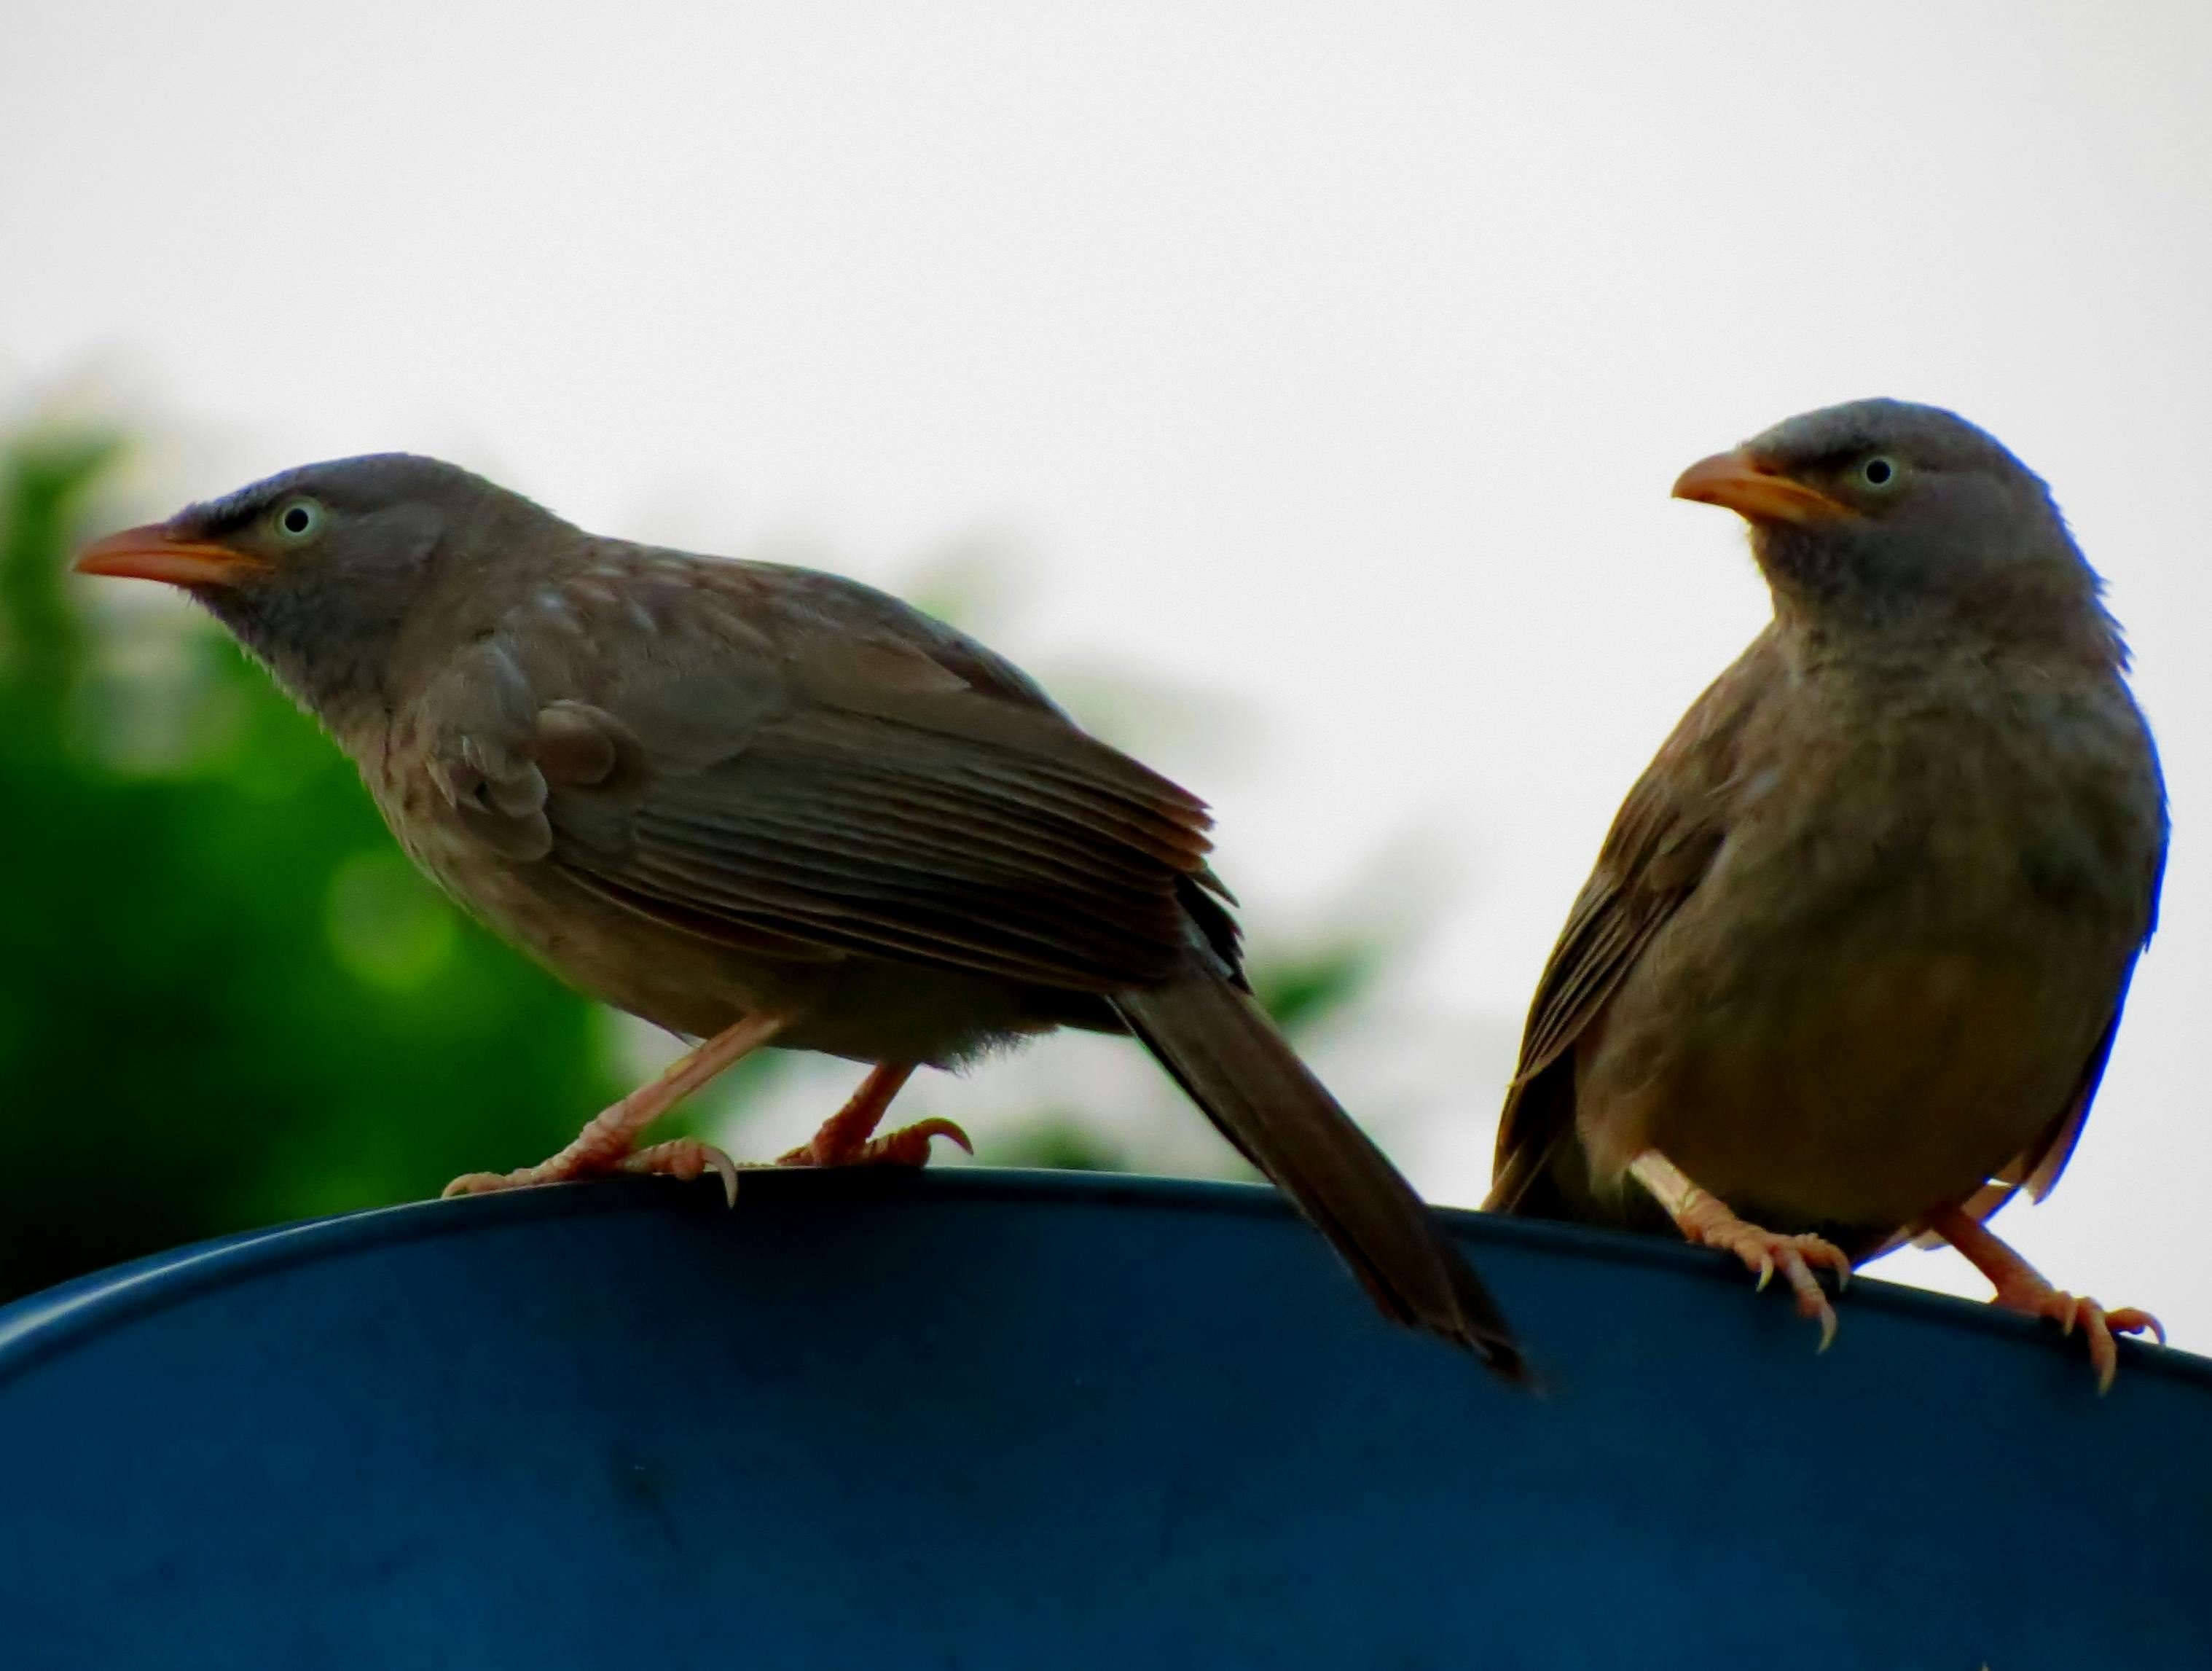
(1220, 1046)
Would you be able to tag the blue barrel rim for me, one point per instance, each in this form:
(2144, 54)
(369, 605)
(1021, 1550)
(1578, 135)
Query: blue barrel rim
(36, 1326)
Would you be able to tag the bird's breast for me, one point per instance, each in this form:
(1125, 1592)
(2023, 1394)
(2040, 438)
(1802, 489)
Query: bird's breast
(1903, 955)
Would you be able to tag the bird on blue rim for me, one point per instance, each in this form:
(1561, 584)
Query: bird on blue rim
(1855, 950)
(761, 805)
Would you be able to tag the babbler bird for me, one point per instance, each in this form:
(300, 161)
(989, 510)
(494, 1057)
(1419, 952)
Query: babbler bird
(1853, 955)
(761, 805)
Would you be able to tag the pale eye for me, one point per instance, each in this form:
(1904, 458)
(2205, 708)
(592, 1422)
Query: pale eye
(1879, 471)
(299, 520)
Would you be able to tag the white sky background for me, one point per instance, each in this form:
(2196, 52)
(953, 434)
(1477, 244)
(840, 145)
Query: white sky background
(1323, 365)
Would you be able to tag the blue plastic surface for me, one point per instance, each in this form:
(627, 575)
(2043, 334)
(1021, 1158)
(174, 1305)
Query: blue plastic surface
(982, 1419)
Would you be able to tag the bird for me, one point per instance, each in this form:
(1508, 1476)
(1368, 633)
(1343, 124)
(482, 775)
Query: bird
(1856, 948)
(766, 806)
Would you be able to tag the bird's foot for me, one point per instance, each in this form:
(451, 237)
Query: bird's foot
(594, 1155)
(684, 1158)
(2034, 1296)
(847, 1137)
(609, 1142)
(2022, 1288)
(1705, 1220)
(1710, 1224)
(906, 1146)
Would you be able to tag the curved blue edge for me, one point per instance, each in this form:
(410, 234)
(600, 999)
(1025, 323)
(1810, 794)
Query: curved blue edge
(38, 1325)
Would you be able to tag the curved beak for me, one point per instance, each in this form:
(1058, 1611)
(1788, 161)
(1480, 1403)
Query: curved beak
(1756, 492)
(152, 553)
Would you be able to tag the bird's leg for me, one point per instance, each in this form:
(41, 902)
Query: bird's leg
(2021, 1287)
(846, 1136)
(1705, 1219)
(607, 1144)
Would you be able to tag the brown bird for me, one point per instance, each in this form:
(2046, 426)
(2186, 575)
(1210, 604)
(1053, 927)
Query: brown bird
(761, 805)
(1856, 948)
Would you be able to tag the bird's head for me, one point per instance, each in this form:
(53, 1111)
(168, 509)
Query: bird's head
(1885, 516)
(317, 568)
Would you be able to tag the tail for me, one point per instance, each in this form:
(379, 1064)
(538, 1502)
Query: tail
(1222, 1049)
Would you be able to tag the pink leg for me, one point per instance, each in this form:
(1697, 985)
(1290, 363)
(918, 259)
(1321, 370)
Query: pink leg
(1705, 1220)
(846, 1136)
(607, 1144)
(2021, 1287)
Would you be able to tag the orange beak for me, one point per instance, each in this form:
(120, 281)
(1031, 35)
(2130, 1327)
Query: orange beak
(152, 553)
(1753, 491)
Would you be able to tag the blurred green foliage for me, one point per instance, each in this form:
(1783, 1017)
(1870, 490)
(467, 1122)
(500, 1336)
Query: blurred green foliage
(226, 998)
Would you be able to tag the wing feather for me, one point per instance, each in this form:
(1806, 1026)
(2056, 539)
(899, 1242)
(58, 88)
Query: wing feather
(1662, 841)
(887, 788)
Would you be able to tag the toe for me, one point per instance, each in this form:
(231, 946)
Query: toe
(2130, 1320)
(1811, 1302)
(1818, 1251)
(922, 1131)
(685, 1158)
(2103, 1354)
(2099, 1326)
(909, 1145)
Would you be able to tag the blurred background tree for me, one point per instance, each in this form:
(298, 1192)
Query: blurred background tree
(226, 999)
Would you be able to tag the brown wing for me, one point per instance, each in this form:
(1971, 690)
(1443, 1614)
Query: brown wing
(1663, 841)
(872, 836)
(774, 756)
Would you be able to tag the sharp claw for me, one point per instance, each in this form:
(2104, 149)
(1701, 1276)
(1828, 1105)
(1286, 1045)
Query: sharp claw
(1764, 1252)
(1813, 1302)
(2022, 1289)
(726, 1170)
(2128, 1320)
(924, 1130)
(2105, 1356)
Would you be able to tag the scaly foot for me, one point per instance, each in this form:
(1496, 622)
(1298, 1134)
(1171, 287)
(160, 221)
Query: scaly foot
(846, 1136)
(684, 1158)
(2022, 1288)
(1710, 1224)
(1705, 1220)
(609, 1143)
(906, 1146)
(2037, 1298)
